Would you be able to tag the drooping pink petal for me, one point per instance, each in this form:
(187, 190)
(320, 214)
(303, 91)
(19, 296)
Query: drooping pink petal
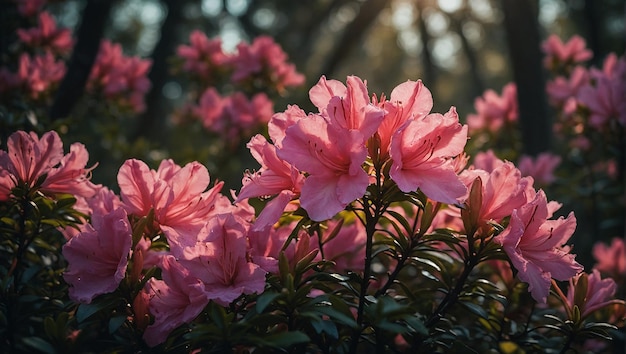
(97, 258)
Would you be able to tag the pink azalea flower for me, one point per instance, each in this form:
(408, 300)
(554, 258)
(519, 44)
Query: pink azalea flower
(97, 257)
(420, 151)
(557, 53)
(276, 177)
(540, 168)
(562, 89)
(71, 176)
(177, 195)
(233, 116)
(536, 246)
(177, 299)
(612, 259)
(6, 184)
(599, 293)
(409, 100)
(210, 108)
(504, 190)
(28, 159)
(47, 36)
(493, 111)
(605, 98)
(350, 107)
(120, 78)
(265, 57)
(219, 260)
(264, 247)
(332, 157)
(204, 56)
(36, 75)
(242, 115)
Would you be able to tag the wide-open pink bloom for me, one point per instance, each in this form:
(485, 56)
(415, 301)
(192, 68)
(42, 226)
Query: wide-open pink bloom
(29, 159)
(536, 246)
(611, 259)
(332, 156)
(494, 111)
(47, 36)
(177, 299)
(219, 260)
(97, 257)
(409, 100)
(421, 150)
(557, 53)
(276, 177)
(178, 195)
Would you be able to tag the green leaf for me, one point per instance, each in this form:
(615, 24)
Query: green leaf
(320, 326)
(475, 309)
(115, 323)
(285, 339)
(39, 345)
(265, 299)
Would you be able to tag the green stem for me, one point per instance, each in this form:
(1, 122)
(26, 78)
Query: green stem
(373, 210)
(452, 296)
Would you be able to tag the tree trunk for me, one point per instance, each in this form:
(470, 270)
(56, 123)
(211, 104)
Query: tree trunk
(94, 18)
(522, 29)
(152, 122)
(430, 71)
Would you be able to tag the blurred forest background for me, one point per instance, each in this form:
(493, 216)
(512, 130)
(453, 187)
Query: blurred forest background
(459, 48)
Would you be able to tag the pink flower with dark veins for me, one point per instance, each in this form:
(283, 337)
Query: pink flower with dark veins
(275, 178)
(97, 257)
(536, 246)
(421, 150)
(177, 299)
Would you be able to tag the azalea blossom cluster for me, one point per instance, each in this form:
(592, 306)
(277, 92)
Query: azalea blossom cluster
(229, 93)
(334, 185)
(120, 78)
(233, 116)
(39, 163)
(261, 63)
(587, 98)
(38, 73)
